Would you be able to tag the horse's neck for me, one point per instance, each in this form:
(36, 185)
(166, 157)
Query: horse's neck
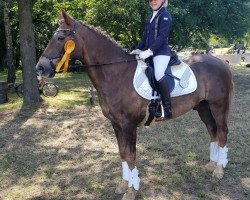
(98, 49)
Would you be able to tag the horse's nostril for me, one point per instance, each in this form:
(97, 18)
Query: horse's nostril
(40, 68)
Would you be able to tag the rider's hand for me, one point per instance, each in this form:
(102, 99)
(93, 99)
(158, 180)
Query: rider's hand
(136, 51)
(145, 54)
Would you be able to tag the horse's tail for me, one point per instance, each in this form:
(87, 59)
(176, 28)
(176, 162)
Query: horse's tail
(231, 95)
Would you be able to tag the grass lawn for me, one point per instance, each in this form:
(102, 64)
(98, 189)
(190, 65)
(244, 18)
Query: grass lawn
(73, 90)
(66, 149)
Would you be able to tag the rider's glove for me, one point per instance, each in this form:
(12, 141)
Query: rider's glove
(136, 51)
(145, 54)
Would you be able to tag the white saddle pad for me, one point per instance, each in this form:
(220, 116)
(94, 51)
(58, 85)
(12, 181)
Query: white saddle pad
(187, 83)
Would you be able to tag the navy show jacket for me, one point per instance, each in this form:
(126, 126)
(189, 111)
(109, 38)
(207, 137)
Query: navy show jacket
(158, 44)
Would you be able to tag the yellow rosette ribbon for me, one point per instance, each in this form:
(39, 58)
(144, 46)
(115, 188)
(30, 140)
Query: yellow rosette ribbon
(68, 47)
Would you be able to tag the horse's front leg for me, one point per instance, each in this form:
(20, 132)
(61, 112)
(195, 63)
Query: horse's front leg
(126, 137)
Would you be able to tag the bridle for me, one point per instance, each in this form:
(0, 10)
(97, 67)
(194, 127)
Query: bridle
(72, 35)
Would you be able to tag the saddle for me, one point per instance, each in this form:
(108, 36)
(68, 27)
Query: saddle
(181, 81)
(174, 60)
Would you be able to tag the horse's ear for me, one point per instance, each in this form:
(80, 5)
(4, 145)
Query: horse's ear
(64, 17)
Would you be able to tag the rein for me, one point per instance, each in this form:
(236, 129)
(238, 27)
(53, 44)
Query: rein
(99, 64)
(103, 64)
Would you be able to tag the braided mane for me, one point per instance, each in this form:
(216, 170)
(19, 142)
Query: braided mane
(101, 32)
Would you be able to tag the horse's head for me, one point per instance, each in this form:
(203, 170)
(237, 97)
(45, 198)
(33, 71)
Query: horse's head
(55, 49)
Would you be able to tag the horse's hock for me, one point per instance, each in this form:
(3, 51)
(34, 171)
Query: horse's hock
(3, 92)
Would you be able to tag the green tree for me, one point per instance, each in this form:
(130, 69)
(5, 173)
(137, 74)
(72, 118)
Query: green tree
(44, 16)
(9, 47)
(2, 37)
(122, 19)
(13, 22)
(196, 20)
(246, 39)
(27, 49)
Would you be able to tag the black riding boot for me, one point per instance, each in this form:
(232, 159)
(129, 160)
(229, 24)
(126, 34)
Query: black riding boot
(165, 98)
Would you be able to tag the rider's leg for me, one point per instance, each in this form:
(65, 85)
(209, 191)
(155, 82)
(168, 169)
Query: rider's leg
(160, 65)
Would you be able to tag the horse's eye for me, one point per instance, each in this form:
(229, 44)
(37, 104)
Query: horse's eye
(61, 37)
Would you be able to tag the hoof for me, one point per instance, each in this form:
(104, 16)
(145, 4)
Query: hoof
(122, 187)
(130, 194)
(210, 166)
(218, 172)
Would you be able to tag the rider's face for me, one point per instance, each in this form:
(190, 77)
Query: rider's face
(155, 4)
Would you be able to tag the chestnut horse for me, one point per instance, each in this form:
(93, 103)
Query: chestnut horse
(111, 70)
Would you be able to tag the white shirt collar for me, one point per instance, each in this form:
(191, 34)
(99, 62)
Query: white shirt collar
(154, 14)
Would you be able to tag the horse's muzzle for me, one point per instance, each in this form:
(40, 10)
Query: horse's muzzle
(45, 68)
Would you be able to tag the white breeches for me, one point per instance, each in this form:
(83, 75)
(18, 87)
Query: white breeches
(160, 65)
(218, 154)
(131, 176)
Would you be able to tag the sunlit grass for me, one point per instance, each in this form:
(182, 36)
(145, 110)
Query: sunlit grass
(73, 91)
(3, 76)
(14, 102)
(221, 50)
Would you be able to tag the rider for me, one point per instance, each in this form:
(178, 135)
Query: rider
(155, 43)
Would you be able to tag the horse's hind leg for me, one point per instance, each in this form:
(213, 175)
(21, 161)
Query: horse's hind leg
(220, 112)
(208, 119)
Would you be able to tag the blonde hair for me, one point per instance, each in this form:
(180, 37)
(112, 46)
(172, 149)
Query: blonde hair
(165, 4)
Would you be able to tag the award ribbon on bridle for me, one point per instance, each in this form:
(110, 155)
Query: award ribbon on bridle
(68, 47)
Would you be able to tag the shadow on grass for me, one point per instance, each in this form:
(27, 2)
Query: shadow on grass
(61, 170)
(12, 157)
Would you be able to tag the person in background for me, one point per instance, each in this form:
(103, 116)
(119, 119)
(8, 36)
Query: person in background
(209, 51)
(154, 43)
(40, 80)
